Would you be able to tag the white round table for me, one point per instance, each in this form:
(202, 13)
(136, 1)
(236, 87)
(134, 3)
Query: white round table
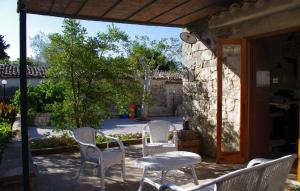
(165, 162)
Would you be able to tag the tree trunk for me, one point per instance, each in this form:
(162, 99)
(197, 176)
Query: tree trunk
(146, 92)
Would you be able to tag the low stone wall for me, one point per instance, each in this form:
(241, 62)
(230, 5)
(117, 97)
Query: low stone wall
(42, 119)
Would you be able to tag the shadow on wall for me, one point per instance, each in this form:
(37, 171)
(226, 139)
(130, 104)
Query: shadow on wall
(200, 90)
(195, 115)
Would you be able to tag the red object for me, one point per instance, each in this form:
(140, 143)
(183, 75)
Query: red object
(132, 111)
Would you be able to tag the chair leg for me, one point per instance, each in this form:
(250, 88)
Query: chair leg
(82, 166)
(123, 170)
(102, 178)
(142, 180)
(194, 175)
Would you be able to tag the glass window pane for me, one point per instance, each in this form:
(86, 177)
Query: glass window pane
(231, 87)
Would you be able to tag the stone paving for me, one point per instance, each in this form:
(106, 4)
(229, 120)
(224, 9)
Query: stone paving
(56, 172)
(110, 126)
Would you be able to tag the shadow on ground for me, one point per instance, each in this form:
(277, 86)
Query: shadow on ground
(56, 172)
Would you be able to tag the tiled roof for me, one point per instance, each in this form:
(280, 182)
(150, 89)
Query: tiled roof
(163, 75)
(13, 71)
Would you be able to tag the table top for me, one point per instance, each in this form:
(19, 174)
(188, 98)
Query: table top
(169, 160)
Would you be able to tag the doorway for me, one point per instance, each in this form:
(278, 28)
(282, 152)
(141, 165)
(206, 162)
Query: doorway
(274, 88)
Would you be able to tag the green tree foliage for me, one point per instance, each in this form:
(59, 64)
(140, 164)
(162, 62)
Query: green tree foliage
(30, 61)
(148, 57)
(3, 47)
(39, 43)
(92, 72)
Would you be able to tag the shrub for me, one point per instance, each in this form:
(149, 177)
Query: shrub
(5, 134)
(52, 142)
(8, 113)
(66, 140)
(40, 99)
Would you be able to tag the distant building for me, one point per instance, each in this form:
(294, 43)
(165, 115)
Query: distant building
(11, 73)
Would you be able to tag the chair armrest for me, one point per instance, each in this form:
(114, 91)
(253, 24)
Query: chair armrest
(120, 143)
(175, 138)
(144, 136)
(94, 147)
(257, 161)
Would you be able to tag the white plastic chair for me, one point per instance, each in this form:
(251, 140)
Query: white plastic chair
(265, 175)
(89, 152)
(159, 143)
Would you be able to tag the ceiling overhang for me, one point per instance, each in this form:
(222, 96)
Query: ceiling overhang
(174, 13)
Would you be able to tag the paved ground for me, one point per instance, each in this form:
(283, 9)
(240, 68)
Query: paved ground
(111, 126)
(56, 172)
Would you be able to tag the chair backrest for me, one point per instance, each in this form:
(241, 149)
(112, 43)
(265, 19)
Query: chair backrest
(159, 131)
(85, 135)
(269, 176)
(276, 173)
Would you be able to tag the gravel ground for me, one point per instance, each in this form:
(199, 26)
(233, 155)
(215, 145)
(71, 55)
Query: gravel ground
(110, 126)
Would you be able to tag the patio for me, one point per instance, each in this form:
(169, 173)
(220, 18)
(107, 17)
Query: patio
(56, 172)
(208, 54)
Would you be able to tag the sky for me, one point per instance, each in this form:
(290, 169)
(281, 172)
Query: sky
(9, 27)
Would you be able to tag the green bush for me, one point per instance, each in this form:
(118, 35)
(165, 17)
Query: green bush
(40, 99)
(5, 134)
(52, 142)
(66, 140)
(8, 113)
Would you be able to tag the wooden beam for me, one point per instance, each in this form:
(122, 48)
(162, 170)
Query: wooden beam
(81, 6)
(140, 9)
(164, 12)
(68, 4)
(190, 13)
(108, 10)
(51, 6)
(91, 18)
(298, 160)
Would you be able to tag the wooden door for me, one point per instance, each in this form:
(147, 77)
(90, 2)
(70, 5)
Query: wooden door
(232, 101)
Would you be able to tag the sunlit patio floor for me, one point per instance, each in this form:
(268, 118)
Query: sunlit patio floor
(57, 171)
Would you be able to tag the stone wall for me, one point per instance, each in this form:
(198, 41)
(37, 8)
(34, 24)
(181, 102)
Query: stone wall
(200, 92)
(167, 97)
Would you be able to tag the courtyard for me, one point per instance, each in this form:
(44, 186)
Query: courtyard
(57, 172)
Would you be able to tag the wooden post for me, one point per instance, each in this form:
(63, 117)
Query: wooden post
(298, 164)
(23, 88)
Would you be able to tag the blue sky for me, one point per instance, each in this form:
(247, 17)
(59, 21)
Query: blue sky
(9, 27)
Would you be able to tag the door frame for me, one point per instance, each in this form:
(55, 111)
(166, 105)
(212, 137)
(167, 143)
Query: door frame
(242, 155)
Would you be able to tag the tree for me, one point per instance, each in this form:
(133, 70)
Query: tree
(150, 56)
(39, 43)
(92, 72)
(3, 46)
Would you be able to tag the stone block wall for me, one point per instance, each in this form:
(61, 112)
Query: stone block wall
(200, 93)
(42, 119)
(167, 97)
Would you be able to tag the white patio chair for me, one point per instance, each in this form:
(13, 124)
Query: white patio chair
(265, 175)
(89, 152)
(159, 143)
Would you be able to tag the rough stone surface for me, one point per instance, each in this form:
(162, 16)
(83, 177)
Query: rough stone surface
(200, 93)
(167, 97)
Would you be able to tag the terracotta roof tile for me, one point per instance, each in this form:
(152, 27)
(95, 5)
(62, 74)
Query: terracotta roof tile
(13, 71)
